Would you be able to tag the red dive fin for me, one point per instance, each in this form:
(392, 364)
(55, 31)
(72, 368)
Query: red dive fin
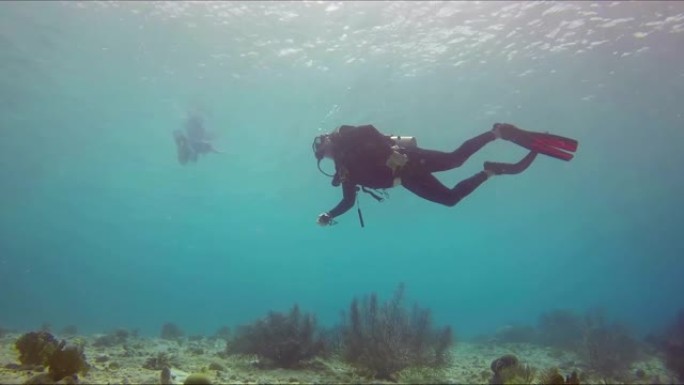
(557, 141)
(544, 148)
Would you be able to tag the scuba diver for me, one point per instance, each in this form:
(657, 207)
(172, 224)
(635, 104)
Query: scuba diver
(194, 141)
(367, 158)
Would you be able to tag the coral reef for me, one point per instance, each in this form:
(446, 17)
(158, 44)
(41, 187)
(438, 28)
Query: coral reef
(39, 379)
(42, 349)
(222, 333)
(503, 362)
(507, 369)
(160, 361)
(608, 349)
(383, 339)
(376, 341)
(165, 376)
(68, 361)
(552, 376)
(36, 348)
(69, 331)
(561, 329)
(422, 375)
(116, 337)
(284, 339)
(197, 379)
(171, 331)
(515, 334)
(471, 364)
(674, 346)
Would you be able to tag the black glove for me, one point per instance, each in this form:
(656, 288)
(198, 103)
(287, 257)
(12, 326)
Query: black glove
(324, 219)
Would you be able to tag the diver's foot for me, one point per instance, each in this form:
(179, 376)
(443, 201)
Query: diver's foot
(507, 131)
(496, 168)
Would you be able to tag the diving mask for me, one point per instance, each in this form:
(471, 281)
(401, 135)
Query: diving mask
(319, 146)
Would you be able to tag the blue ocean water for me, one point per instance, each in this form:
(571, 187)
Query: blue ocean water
(101, 227)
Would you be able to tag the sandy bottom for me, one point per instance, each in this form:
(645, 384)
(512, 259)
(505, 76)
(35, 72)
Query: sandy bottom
(124, 364)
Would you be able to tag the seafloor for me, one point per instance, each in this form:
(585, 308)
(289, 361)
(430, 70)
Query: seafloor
(139, 361)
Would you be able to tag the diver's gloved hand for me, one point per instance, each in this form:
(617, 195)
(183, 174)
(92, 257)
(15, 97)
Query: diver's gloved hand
(324, 220)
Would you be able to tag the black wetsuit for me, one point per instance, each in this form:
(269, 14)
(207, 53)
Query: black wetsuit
(361, 154)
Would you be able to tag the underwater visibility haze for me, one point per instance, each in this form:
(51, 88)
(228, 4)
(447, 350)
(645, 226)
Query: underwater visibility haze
(106, 224)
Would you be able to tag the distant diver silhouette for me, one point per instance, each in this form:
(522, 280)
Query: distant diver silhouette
(194, 141)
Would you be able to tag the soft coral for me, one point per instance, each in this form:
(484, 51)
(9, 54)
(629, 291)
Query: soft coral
(674, 346)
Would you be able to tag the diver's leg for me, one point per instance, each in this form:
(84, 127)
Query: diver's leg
(182, 148)
(434, 161)
(497, 168)
(428, 187)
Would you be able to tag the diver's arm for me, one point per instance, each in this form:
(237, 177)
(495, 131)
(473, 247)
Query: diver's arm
(347, 202)
(214, 150)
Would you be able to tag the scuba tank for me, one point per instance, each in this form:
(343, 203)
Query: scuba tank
(404, 141)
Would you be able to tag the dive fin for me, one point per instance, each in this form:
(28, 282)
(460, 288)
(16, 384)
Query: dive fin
(557, 141)
(541, 142)
(544, 148)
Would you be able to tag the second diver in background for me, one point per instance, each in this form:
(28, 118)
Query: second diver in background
(194, 141)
